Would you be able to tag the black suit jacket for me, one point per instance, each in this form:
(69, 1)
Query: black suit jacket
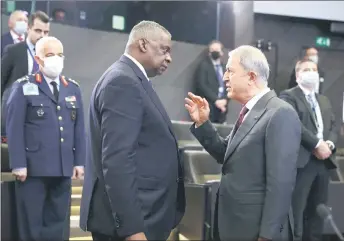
(14, 64)
(6, 39)
(297, 99)
(293, 83)
(206, 82)
(133, 179)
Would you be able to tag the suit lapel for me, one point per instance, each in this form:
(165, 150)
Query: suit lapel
(151, 93)
(251, 119)
(302, 97)
(43, 86)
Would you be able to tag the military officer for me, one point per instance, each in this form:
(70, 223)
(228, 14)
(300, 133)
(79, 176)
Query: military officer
(46, 142)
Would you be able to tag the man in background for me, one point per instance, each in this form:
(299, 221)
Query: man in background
(209, 83)
(133, 186)
(258, 171)
(17, 24)
(18, 59)
(319, 135)
(311, 54)
(46, 143)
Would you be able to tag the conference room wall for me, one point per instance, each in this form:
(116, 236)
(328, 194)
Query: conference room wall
(291, 35)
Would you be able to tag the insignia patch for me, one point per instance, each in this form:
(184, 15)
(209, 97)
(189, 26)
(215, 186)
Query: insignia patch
(25, 78)
(73, 81)
(73, 115)
(40, 112)
(30, 89)
(70, 98)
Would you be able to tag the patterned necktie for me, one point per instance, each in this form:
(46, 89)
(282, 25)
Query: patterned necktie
(220, 80)
(20, 39)
(312, 102)
(35, 66)
(55, 90)
(242, 114)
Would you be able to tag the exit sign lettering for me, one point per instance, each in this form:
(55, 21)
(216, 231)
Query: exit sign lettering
(323, 41)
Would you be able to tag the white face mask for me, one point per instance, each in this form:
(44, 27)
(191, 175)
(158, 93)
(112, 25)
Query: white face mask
(20, 27)
(309, 79)
(53, 66)
(314, 58)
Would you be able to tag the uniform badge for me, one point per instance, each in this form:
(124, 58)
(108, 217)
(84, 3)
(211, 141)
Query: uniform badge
(30, 89)
(70, 98)
(73, 115)
(40, 112)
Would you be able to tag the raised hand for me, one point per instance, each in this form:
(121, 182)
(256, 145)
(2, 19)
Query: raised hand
(198, 108)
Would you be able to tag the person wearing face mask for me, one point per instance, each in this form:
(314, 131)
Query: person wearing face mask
(17, 24)
(319, 136)
(18, 59)
(209, 83)
(46, 143)
(311, 54)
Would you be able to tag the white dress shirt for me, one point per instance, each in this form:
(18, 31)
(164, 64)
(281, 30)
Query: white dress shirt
(253, 101)
(137, 64)
(49, 80)
(15, 37)
(30, 51)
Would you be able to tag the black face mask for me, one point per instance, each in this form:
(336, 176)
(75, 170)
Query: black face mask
(215, 55)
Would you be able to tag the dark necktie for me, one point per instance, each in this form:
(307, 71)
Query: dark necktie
(55, 90)
(220, 80)
(242, 114)
(35, 66)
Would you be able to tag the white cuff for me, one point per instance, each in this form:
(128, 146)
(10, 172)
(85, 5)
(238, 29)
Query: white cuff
(318, 144)
(331, 144)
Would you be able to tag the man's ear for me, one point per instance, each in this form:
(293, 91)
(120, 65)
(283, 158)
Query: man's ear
(143, 45)
(39, 61)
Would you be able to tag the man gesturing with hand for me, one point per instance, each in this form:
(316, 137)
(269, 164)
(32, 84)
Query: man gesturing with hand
(259, 172)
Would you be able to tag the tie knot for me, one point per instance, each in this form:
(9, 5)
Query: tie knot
(53, 83)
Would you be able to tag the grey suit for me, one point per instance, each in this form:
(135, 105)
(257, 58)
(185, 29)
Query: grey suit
(258, 170)
(313, 175)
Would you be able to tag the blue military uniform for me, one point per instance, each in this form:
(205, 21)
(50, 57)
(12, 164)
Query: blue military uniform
(45, 135)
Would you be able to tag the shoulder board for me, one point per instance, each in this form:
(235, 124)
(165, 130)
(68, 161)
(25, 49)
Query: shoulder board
(25, 78)
(73, 81)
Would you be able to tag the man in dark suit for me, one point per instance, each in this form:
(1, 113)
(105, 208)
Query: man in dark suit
(18, 59)
(17, 24)
(133, 186)
(319, 136)
(46, 143)
(210, 85)
(311, 54)
(259, 172)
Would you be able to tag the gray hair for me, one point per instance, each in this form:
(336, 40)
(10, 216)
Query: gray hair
(146, 29)
(253, 59)
(39, 47)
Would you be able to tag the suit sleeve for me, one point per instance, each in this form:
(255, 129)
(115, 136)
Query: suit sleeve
(309, 140)
(201, 81)
(6, 67)
(282, 144)
(15, 121)
(121, 112)
(333, 128)
(79, 134)
(210, 139)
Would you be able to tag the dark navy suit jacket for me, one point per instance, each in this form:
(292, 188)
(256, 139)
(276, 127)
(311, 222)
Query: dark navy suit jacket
(6, 39)
(44, 135)
(133, 175)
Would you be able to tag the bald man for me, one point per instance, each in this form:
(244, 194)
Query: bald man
(133, 186)
(17, 24)
(45, 132)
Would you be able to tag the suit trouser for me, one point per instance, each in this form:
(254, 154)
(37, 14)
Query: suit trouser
(311, 189)
(42, 207)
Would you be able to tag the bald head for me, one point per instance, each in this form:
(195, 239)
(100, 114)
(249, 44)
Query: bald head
(48, 46)
(18, 22)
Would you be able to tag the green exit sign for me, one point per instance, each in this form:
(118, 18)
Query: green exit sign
(323, 41)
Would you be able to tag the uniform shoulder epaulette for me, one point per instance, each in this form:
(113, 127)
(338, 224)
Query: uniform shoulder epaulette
(25, 78)
(73, 81)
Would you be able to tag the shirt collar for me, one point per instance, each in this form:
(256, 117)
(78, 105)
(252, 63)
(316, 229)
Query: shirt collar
(251, 103)
(306, 91)
(137, 64)
(16, 36)
(49, 80)
(30, 45)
